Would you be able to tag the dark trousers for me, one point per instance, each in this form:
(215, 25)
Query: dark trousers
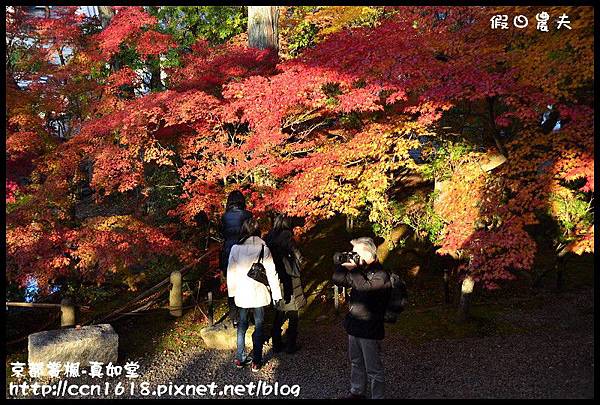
(366, 365)
(257, 336)
(292, 331)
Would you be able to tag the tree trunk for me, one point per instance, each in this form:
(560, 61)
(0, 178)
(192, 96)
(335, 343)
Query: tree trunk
(390, 242)
(153, 65)
(560, 280)
(493, 128)
(349, 223)
(446, 286)
(560, 266)
(262, 27)
(106, 14)
(465, 299)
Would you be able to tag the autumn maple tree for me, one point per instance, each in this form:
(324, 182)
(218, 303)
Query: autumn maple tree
(363, 99)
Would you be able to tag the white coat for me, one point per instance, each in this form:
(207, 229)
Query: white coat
(249, 293)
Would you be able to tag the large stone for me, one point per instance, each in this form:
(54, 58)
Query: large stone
(223, 336)
(88, 343)
(490, 162)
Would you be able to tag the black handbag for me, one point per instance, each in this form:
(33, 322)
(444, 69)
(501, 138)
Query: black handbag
(257, 271)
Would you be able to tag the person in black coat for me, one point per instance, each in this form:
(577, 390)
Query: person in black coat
(231, 225)
(364, 323)
(287, 258)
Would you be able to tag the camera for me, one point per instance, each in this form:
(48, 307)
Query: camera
(345, 257)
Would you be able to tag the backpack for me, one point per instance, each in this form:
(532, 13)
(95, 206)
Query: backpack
(398, 299)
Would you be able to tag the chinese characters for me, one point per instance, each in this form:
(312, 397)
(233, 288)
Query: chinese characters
(501, 21)
(68, 369)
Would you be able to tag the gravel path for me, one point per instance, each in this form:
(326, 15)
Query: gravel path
(557, 361)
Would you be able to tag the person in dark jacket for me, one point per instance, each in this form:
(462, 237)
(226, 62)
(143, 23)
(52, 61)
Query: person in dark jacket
(288, 259)
(231, 225)
(364, 323)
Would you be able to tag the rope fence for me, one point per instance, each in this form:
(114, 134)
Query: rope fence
(68, 311)
(148, 302)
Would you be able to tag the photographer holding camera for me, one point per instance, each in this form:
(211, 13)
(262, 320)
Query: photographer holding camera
(371, 289)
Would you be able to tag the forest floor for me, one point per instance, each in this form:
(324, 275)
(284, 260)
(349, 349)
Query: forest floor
(542, 347)
(548, 352)
(520, 342)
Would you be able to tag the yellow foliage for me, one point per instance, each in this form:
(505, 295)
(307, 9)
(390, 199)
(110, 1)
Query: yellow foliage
(327, 19)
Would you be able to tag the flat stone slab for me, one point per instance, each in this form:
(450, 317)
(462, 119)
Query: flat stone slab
(89, 343)
(223, 336)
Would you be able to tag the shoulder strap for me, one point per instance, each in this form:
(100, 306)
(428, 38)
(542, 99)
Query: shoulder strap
(262, 253)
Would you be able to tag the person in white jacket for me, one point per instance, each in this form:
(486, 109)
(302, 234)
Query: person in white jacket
(248, 293)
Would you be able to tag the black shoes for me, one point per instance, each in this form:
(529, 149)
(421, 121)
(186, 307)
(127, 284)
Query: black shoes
(353, 396)
(289, 349)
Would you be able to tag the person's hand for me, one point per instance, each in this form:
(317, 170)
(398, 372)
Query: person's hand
(276, 303)
(350, 265)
